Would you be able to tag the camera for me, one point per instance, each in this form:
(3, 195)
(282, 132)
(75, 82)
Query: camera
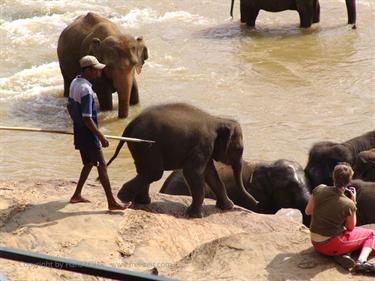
(348, 192)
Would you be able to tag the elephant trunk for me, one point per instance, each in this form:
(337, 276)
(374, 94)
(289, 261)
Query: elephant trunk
(351, 9)
(237, 173)
(123, 82)
(231, 8)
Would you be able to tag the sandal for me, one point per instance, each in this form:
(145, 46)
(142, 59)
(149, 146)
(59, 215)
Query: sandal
(345, 261)
(364, 266)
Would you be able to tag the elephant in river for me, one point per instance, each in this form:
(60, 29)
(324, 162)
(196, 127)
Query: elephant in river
(276, 185)
(122, 54)
(324, 156)
(308, 10)
(185, 138)
(364, 165)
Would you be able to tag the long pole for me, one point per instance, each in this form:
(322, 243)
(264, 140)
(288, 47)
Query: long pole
(40, 130)
(77, 266)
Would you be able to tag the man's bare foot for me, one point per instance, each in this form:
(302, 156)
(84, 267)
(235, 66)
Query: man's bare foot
(79, 199)
(117, 206)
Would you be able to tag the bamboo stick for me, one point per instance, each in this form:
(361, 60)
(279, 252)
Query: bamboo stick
(84, 267)
(26, 129)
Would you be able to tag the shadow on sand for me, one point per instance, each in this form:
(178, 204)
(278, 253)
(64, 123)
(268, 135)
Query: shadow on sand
(43, 215)
(306, 264)
(178, 209)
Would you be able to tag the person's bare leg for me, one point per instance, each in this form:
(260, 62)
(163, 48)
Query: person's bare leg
(104, 180)
(362, 265)
(77, 197)
(365, 252)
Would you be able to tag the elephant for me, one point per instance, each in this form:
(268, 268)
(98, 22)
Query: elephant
(364, 165)
(325, 155)
(122, 54)
(186, 138)
(308, 10)
(276, 185)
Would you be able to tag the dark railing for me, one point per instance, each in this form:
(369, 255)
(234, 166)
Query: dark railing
(77, 266)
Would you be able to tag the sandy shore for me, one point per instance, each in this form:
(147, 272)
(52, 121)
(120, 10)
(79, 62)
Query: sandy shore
(235, 245)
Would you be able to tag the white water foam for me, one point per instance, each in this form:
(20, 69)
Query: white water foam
(367, 3)
(138, 17)
(35, 30)
(38, 80)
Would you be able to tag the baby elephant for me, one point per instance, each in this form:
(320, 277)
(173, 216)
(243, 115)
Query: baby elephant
(276, 185)
(185, 138)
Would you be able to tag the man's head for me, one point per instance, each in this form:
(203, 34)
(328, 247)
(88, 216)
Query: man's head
(91, 68)
(342, 174)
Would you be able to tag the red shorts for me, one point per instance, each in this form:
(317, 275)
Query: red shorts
(347, 242)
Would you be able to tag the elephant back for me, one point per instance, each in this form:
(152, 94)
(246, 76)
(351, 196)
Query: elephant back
(75, 39)
(171, 119)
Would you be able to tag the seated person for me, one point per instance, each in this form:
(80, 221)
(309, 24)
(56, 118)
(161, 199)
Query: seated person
(333, 222)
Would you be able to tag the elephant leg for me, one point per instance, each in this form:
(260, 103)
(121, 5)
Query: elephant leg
(143, 196)
(104, 95)
(195, 180)
(194, 171)
(316, 11)
(105, 102)
(305, 20)
(129, 191)
(243, 10)
(134, 95)
(66, 86)
(217, 186)
(351, 9)
(251, 16)
(149, 165)
(248, 12)
(305, 14)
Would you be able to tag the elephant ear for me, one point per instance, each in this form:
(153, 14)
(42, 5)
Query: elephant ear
(106, 51)
(359, 166)
(262, 186)
(94, 48)
(222, 141)
(345, 153)
(364, 163)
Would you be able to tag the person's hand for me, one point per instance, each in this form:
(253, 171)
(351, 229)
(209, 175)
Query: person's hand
(103, 141)
(353, 193)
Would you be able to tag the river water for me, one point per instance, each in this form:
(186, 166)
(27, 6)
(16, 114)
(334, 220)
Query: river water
(287, 87)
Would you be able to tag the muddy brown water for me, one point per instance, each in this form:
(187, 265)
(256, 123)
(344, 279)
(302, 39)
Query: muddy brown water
(287, 87)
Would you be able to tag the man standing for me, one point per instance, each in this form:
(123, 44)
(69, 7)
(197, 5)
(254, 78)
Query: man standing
(87, 137)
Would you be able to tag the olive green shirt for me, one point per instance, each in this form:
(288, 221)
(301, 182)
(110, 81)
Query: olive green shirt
(330, 210)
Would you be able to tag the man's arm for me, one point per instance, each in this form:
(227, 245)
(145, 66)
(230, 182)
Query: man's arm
(310, 206)
(92, 127)
(351, 221)
(70, 109)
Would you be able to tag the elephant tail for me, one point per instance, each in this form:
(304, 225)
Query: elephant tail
(126, 132)
(231, 9)
(118, 148)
